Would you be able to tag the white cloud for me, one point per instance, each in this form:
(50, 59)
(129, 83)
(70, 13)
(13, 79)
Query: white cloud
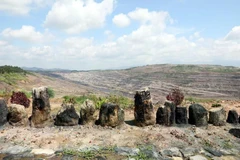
(21, 7)
(234, 34)
(150, 43)
(121, 20)
(158, 19)
(3, 43)
(27, 34)
(75, 16)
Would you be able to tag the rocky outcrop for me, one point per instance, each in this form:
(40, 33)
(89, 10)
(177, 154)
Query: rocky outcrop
(17, 115)
(87, 113)
(166, 114)
(67, 116)
(217, 116)
(3, 112)
(181, 115)
(232, 117)
(111, 115)
(143, 111)
(198, 115)
(40, 107)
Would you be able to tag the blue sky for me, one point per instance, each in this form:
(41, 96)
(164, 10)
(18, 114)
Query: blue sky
(105, 34)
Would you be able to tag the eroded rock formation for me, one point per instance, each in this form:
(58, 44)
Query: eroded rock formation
(17, 115)
(67, 116)
(198, 115)
(111, 115)
(3, 112)
(217, 116)
(166, 114)
(232, 117)
(143, 111)
(87, 113)
(40, 107)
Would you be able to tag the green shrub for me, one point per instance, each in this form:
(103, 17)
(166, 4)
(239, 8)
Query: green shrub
(122, 101)
(216, 105)
(51, 93)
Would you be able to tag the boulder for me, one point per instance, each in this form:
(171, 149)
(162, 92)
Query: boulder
(17, 115)
(111, 115)
(87, 113)
(232, 117)
(198, 115)
(40, 107)
(67, 116)
(166, 114)
(181, 115)
(217, 116)
(3, 112)
(143, 111)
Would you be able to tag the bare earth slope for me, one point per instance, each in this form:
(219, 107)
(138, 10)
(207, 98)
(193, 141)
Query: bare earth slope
(196, 80)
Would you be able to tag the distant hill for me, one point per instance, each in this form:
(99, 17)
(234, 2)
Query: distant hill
(11, 69)
(206, 81)
(203, 81)
(36, 69)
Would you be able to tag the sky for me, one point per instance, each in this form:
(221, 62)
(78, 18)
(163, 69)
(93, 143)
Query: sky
(116, 34)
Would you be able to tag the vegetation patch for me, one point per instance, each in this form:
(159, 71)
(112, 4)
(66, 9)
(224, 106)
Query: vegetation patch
(20, 98)
(11, 74)
(216, 105)
(123, 102)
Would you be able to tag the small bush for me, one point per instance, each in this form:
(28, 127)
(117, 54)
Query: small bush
(176, 96)
(216, 105)
(122, 101)
(51, 93)
(20, 98)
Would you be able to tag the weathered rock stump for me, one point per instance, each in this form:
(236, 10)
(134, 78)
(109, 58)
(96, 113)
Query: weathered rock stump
(110, 115)
(17, 115)
(217, 116)
(198, 115)
(232, 117)
(166, 114)
(87, 113)
(181, 115)
(143, 111)
(40, 107)
(3, 112)
(67, 116)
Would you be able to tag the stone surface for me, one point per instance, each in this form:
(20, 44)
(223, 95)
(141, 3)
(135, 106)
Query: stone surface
(3, 112)
(17, 115)
(187, 152)
(127, 151)
(87, 113)
(110, 115)
(42, 151)
(232, 117)
(181, 115)
(217, 116)
(171, 152)
(151, 152)
(198, 157)
(198, 115)
(67, 116)
(40, 107)
(143, 111)
(15, 150)
(214, 151)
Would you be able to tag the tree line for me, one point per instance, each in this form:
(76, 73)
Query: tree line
(11, 69)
